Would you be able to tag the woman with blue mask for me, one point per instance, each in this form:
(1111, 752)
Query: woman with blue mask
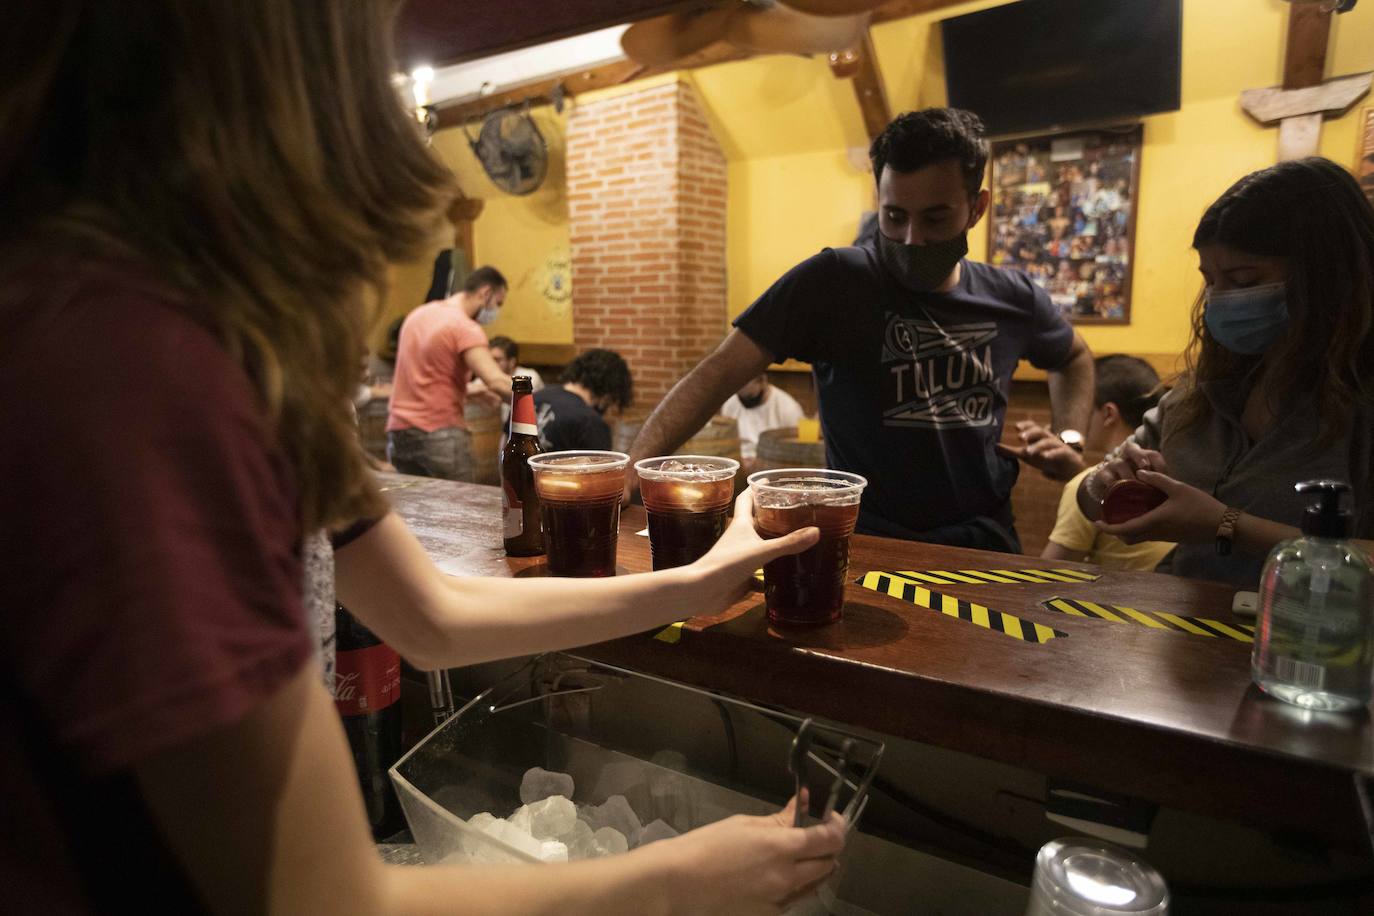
(1280, 380)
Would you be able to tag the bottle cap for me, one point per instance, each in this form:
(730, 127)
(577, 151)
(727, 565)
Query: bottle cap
(1326, 518)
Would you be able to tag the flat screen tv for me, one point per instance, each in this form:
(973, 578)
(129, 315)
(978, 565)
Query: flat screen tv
(1039, 65)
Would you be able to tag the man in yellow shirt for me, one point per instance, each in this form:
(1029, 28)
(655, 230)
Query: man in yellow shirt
(1126, 387)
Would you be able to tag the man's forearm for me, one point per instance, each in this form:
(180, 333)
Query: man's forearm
(694, 399)
(684, 410)
(499, 385)
(1071, 391)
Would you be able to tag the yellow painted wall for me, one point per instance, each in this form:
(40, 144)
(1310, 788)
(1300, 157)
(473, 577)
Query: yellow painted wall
(517, 235)
(793, 192)
(783, 209)
(788, 129)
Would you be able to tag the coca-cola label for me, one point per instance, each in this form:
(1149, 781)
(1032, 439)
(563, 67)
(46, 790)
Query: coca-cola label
(366, 680)
(522, 419)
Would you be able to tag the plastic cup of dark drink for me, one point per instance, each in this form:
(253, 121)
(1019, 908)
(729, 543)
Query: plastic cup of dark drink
(579, 494)
(688, 499)
(807, 588)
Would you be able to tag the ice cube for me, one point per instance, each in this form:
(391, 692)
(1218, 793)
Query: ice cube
(553, 851)
(678, 466)
(522, 818)
(624, 778)
(513, 836)
(611, 841)
(656, 830)
(479, 821)
(490, 827)
(670, 789)
(481, 848)
(490, 854)
(551, 817)
(580, 840)
(576, 461)
(688, 495)
(616, 813)
(540, 783)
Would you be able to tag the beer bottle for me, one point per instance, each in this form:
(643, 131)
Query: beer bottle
(519, 501)
(367, 692)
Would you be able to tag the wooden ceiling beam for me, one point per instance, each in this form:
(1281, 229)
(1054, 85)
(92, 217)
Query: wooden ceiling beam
(860, 66)
(539, 91)
(1304, 58)
(615, 73)
(900, 9)
(573, 82)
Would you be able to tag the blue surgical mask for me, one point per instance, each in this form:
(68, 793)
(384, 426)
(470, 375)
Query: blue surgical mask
(487, 314)
(1247, 321)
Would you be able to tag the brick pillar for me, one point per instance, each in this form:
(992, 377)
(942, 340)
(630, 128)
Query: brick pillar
(646, 210)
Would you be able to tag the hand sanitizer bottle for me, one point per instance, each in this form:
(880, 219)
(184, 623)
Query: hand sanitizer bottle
(1314, 646)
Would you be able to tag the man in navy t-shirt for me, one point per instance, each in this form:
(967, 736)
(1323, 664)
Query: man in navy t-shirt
(570, 413)
(913, 349)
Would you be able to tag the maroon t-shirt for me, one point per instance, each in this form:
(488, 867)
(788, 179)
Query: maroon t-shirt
(152, 584)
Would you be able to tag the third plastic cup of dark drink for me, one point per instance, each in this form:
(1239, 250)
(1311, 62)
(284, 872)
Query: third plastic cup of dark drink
(579, 495)
(688, 499)
(807, 588)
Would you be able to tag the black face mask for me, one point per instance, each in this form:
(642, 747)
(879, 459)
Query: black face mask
(750, 403)
(921, 268)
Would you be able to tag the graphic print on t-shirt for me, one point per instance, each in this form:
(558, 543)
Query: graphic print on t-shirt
(938, 377)
(546, 416)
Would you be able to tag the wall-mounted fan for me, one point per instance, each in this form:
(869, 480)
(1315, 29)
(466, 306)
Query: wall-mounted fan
(512, 150)
(756, 26)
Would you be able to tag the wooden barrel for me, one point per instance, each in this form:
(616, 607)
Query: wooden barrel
(372, 427)
(719, 438)
(780, 448)
(484, 423)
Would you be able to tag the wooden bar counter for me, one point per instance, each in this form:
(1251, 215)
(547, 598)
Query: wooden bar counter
(1156, 714)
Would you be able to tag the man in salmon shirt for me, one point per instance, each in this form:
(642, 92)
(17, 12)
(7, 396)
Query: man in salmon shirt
(442, 347)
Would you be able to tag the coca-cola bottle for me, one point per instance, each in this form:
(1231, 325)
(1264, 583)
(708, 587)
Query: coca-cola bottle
(519, 500)
(367, 691)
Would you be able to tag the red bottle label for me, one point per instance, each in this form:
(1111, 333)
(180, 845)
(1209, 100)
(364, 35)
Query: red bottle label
(366, 680)
(522, 419)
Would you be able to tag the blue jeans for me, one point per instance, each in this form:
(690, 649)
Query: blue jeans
(445, 453)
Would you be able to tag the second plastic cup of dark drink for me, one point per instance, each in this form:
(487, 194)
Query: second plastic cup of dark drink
(687, 498)
(579, 495)
(807, 588)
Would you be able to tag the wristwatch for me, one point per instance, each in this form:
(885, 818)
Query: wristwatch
(1226, 531)
(1072, 438)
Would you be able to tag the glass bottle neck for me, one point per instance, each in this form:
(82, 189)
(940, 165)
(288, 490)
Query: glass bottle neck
(522, 416)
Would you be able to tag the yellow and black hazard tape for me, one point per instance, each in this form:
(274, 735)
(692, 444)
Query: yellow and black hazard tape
(1159, 620)
(913, 592)
(997, 576)
(670, 634)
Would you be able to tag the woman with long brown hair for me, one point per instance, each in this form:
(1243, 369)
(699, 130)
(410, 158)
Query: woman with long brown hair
(1280, 384)
(201, 200)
